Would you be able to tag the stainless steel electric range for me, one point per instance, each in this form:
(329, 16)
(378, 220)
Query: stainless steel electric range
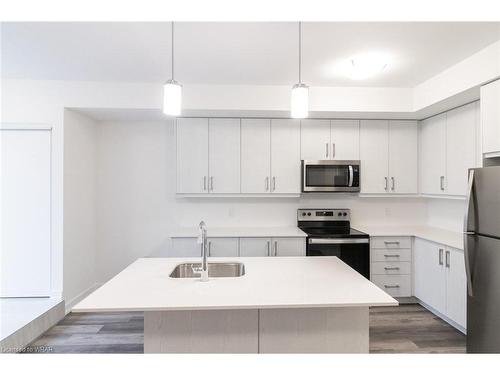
(329, 233)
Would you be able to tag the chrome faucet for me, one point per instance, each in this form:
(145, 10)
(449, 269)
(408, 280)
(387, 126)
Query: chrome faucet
(202, 240)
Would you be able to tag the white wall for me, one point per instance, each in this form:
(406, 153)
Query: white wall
(80, 214)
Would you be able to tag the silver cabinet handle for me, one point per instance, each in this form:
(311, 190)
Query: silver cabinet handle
(268, 248)
(391, 255)
(391, 268)
(211, 183)
(441, 257)
(274, 183)
(333, 150)
(391, 286)
(392, 242)
(204, 183)
(326, 153)
(447, 259)
(275, 248)
(267, 183)
(209, 248)
(441, 183)
(393, 184)
(386, 184)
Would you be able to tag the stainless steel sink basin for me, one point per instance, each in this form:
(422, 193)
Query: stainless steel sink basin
(185, 270)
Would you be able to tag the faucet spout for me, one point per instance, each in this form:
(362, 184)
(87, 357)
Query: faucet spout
(202, 239)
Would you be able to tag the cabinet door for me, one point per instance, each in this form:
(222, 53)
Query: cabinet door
(315, 140)
(403, 157)
(285, 156)
(345, 140)
(255, 247)
(430, 285)
(288, 247)
(490, 117)
(432, 154)
(223, 247)
(255, 156)
(185, 247)
(192, 155)
(374, 152)
(460, 147)
(224, 155)
(456, 284)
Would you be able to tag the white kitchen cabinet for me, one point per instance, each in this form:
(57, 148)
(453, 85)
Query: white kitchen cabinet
(288, 247)
(490, 118)
(460, 148)
(374, 156)
(185, 247)
(344, 140)
(315, 140)
(224, 155)
(285, 156)
(255, 156)
(255, 247)
(223, 247)
(192, 155)
(433, 155)
(403, 157)
(456, 286)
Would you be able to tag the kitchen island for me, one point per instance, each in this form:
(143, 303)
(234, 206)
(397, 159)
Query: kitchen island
(279, 305)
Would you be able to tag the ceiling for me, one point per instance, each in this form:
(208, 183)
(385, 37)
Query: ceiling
(236, 53)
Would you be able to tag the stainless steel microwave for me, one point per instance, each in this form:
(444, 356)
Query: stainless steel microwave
(330, 176)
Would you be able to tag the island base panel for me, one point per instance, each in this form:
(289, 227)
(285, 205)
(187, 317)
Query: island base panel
(295, 330)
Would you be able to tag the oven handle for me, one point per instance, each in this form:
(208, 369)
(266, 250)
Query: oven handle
(335, 241)
(351, 176)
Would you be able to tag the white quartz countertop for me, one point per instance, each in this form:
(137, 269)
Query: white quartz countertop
(240, 232)
(443, 236)
(269, 282)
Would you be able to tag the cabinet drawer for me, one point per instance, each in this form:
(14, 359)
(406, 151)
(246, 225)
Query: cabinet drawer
(391, 242)
(395, 285)
(398, 255)
(391, 268)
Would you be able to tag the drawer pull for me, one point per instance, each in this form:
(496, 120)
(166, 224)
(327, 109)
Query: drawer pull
(391, 268)
(392, 242)
(391, 255)
(391, 286)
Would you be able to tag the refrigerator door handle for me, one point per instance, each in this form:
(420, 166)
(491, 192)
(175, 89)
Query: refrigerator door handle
(468, 233)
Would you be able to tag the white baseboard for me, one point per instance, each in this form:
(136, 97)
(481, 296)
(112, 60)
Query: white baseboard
(73, 301)
(445, 318)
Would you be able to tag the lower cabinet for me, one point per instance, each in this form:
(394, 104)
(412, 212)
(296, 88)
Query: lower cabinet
(440, 279)
(223, 247)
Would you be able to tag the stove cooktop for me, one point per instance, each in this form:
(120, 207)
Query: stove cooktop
(329, 233)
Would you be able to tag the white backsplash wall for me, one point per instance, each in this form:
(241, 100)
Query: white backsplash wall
(446, 213)
(138, 209)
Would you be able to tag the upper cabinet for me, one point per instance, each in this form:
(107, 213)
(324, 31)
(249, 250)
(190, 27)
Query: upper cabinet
(285, 156)
(490, 119)
(255, 156)
(447, 151)
(388, 154)
(329, 140)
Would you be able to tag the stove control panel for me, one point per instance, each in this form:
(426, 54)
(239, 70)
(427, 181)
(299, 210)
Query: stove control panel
(305, 214)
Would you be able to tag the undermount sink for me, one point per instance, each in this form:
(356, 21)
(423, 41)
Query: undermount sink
(185, 270)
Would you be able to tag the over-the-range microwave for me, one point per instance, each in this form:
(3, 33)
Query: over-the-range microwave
(330, 176)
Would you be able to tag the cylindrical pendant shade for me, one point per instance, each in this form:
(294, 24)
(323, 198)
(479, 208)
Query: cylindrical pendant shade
(172, 98)
(300, 101)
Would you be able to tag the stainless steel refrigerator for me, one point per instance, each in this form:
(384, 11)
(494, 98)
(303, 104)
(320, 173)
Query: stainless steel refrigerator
(482, 260)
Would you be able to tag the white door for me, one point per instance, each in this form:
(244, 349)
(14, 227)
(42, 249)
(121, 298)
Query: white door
(374, 156)
(432, 155)
(460, 147)
(285, 156)
(223, 247)
(255, 156)
(255, 247)
(315, 140)
(430, 285)
(456, 286)
(288, 247)
(224, 155)
(185, 247)
(345, 139)
(490, 117)
(25, 221)
(403, 157)
(192, 155)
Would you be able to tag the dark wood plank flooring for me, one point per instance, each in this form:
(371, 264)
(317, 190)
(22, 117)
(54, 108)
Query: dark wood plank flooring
(403, 329)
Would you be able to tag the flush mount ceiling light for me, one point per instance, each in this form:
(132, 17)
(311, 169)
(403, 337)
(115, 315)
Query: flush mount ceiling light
(300, 91)
(172, 90)
(366, 65)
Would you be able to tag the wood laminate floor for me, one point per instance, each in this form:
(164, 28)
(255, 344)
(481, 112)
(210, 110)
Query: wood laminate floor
(402, 329)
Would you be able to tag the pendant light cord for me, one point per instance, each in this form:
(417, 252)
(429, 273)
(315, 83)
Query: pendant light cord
(300, 52)
(172, 34)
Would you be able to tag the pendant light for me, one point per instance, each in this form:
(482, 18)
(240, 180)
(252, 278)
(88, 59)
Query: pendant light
(172, 90)
(300, 91)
